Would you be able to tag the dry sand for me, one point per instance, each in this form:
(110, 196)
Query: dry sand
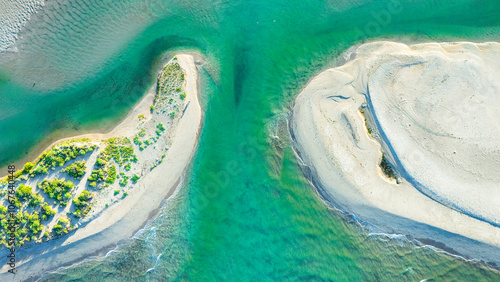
(434, 112)
(123, 220)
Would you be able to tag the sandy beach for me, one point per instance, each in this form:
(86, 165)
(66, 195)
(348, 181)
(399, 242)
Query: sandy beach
(431, 110)
(124, 219)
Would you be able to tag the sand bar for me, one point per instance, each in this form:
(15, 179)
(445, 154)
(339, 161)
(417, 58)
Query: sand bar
(433, 111)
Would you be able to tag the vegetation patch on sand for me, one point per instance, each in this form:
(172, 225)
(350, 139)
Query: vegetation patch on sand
(71, 183)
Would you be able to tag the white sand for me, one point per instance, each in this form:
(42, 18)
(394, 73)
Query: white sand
(122, 220)
(435, 113)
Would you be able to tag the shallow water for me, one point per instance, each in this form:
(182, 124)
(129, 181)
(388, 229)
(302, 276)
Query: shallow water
(245, 211)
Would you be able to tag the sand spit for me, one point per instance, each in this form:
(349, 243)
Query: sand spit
(124, 219)
(432, 111)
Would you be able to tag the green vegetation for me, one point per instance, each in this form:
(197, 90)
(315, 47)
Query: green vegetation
(169, 83)
(57, 156)
(82, 203)
(119, 149)
(135, 178)
(137, 141)
(28, 166)
(57, 189)
(387, 168)
(111, 175)
(35, 200)
(97, 176)
(124, 181)
(62, 226)
(77, 169)
(28, 229)
(142, 133)
(24, 192)
(47, 211)
(161, 127)
(117, 153)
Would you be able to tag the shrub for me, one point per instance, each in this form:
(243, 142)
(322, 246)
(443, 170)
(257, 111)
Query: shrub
(116, 192)
(58, 155)
(142, 133)
(39, 169)
(47, 211)
(57, 228)
(183, 96)
(24, 191)
(134, 158)
(111, 175)
(56, 189)
(76, 170)
(101, 162)
(137, 141)
(83, 199)
(28, 166)
(135, 178)
(161, 127)
(35, 200)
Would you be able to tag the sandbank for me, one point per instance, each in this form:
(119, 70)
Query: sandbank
(432, 111)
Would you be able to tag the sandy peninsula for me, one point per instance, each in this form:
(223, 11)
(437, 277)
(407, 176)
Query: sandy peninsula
(160, 176)
(428, 115)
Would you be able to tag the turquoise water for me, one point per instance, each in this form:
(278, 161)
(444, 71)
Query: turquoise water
(245, 211)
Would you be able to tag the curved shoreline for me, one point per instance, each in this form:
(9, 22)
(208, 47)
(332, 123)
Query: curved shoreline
(125, 219)
(324, 117)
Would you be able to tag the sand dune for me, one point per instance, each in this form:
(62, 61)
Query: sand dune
(433, 111)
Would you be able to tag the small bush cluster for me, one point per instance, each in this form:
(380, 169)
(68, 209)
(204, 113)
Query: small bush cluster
(62, 226)
(77, 169)
(28, 229)
(57, 189)
(82, 204)
(57, 156)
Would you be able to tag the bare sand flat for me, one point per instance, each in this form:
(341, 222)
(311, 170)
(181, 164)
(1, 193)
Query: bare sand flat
(124, 219)
(433, 111)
